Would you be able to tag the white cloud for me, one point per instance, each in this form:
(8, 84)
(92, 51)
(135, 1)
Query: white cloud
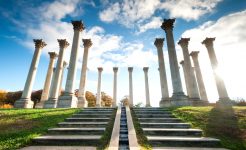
(229, 47)
(132, 12)
(111, 13)
(154, 23)
(189, 9)
(58, 9)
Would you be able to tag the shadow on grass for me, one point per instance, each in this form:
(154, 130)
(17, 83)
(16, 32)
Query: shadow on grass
(223, 124)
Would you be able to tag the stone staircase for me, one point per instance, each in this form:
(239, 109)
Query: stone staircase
(84, 128)
(162, 129)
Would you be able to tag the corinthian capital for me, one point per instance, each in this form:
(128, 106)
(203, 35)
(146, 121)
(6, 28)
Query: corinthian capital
(194, 54)
(78, 25)
(115, 69)
(159, 42)
(52, 55)
(63, 43)
(167, 24)
(208, 42)
(130, 69)
(87, 43)
(39, 43)
(100, 69)
(183, 42)
(145, 69)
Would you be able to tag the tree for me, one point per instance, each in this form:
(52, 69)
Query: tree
(106, 100)
(125, 101)
(36, 96)
(12, 97)
(91, 99)
(3, 97)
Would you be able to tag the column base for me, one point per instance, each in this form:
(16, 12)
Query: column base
(40, 104)
(24, 103)
(194, 98)
(113, 104)
(147, 105)
(50, 103)
(98, 105)
(82, 102)
(67, 101)
(224, 103)
(179, 96)
(199, 103)
(164, 102)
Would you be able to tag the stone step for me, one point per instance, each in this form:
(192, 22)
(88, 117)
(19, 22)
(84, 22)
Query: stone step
(172, 132)
(76, 131)
(85, 140)
(82, 124)
(95, 112)
(98, 109)
(178, 141)
(151, 112)
(154, 115)
(165, 125)
(87, 119)
(159, 120)
(187, 148)
(91, 115)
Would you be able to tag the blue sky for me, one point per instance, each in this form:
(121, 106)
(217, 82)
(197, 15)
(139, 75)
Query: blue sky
(123, 33)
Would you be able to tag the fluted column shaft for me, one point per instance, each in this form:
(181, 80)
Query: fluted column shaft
(130, 69)
(145, 69)
(82, 102)
(199, 77)
(162, 70)
(191, 79)
(63, 69)
(68, 99)
(223, 95)
(54, 91)
(25, 101)
(178, 93)
(98, 102)
(47, 83)
(185, 77)
(78, 28)
(115, 69)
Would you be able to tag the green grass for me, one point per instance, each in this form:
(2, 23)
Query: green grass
(19, 126)
(105, 139)
(228, 125)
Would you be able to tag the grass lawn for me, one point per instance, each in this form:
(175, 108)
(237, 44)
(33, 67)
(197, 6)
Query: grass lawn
(228, 125)
(19, 126)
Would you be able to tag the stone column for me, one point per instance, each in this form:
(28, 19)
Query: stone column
(64, 66)
(162, 70)
(115, 69)
(223, 96)
(191, 79)
(54, 91)
(130, 69)
(82, 102)
(145, 69)
(199, 77)
(178, 93)
(68, 99)
(185, 77)
(25, 100)
(46, 89)
(98, 102)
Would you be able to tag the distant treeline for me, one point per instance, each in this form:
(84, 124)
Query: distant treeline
(7, 99)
